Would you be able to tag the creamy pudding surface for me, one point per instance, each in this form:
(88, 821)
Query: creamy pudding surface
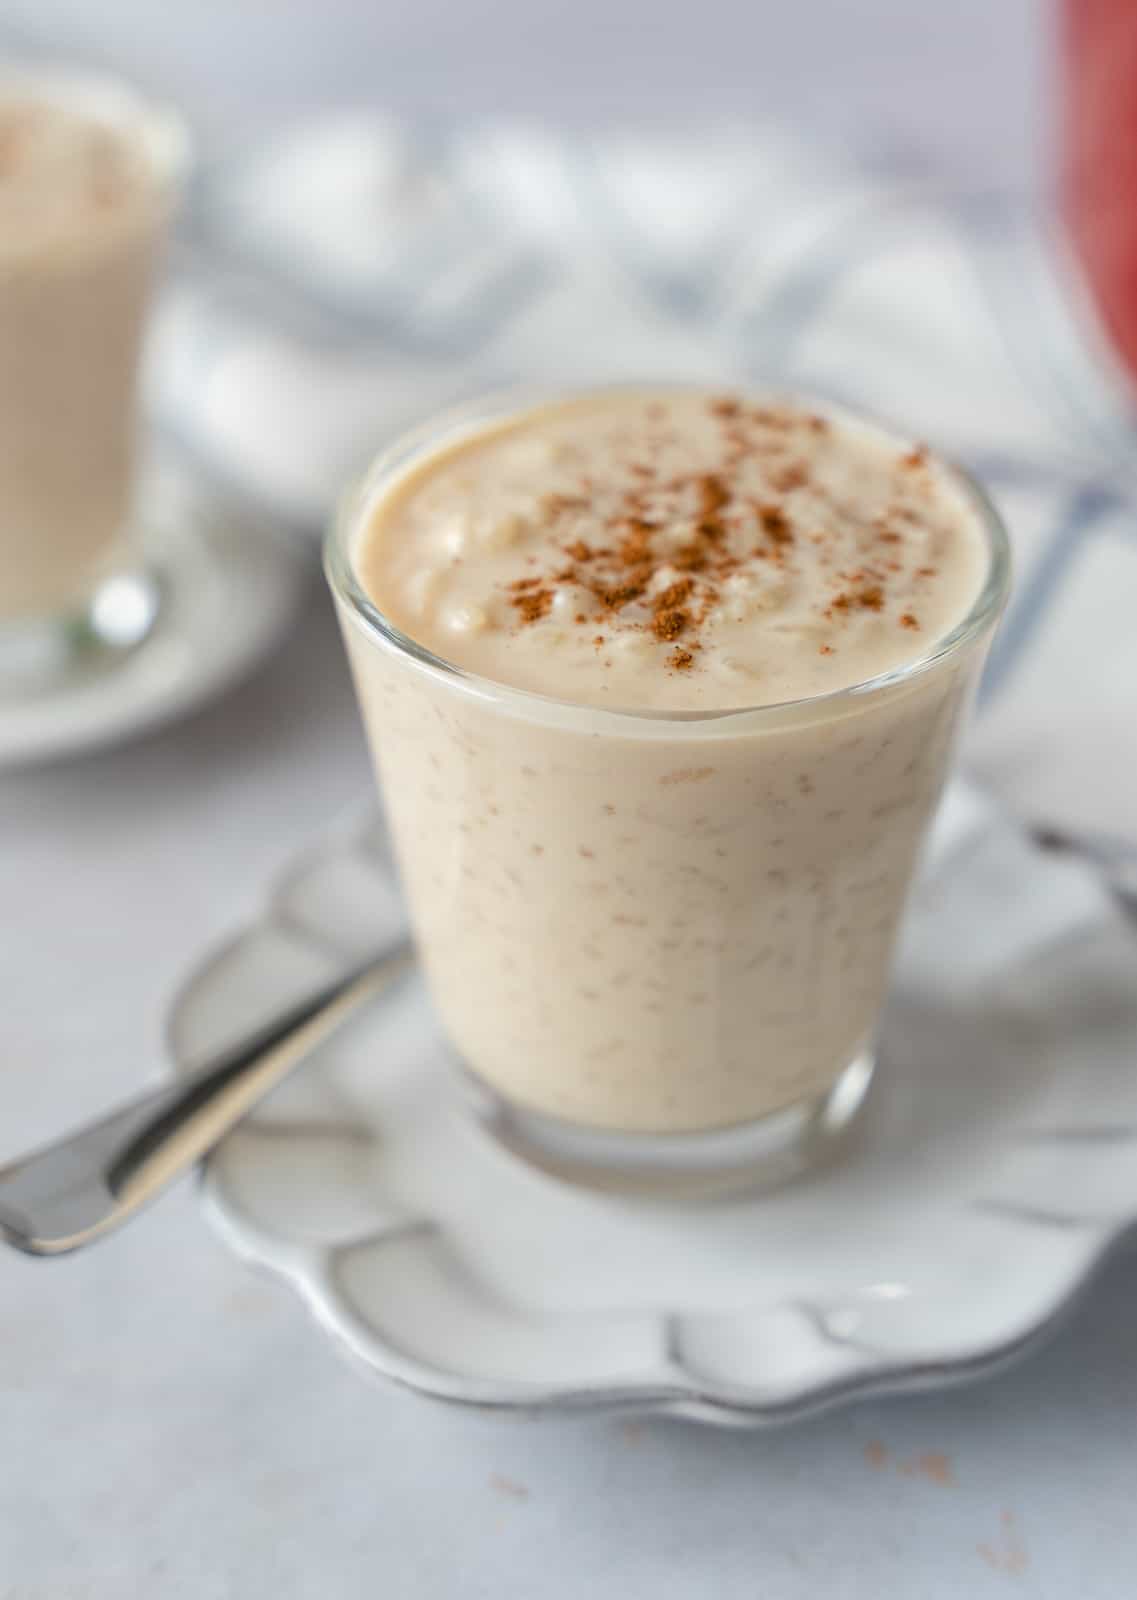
(662, 923)
(66, 179)
(676, 551)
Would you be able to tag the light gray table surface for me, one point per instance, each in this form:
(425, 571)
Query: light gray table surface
(171, 1425)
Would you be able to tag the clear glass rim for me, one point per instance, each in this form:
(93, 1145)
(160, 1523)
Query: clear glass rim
(498, 406)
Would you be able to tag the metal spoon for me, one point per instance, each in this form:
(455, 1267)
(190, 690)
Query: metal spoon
(73, 1192)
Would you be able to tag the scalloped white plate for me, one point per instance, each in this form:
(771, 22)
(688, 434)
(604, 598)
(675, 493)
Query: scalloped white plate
(993, 1165)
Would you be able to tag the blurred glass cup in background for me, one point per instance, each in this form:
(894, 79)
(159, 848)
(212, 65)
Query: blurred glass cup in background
(89, 173)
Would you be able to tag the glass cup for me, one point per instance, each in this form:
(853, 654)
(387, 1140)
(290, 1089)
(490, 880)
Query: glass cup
(658, 941)
(79, 245)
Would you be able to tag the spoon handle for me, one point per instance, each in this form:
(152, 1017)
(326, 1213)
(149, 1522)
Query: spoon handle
(70, 1193)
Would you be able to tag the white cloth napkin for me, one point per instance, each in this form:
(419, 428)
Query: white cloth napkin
(351, 279)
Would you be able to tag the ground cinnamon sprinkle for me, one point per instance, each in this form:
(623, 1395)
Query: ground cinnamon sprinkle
(765, 417)
(775, 523)
(553, 504)
(619, 595)
(691, 558)
(792, 477)
(534, 604)
(713, 493)
(636, 544)
(670, 624)
(674, 595)
(870, 598)
(660, 546)
(712, 529)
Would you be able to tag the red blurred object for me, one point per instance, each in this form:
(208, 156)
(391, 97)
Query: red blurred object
(1099, 172)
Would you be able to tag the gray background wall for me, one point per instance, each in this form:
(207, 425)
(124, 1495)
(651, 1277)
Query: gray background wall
(958, 84)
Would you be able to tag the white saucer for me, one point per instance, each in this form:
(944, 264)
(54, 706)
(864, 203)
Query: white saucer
(227, 590)
(992, 1167)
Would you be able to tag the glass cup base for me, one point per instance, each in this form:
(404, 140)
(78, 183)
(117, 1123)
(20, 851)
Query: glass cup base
(41, 655)
(751, 1156)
